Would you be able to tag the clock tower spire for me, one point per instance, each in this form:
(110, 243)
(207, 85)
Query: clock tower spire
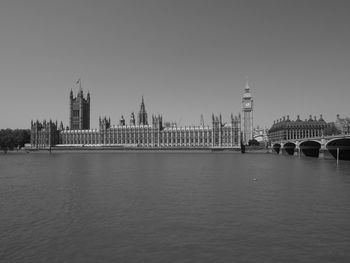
(247, 110)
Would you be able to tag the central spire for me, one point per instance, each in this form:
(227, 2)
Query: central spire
(143, 120)
(143, 105)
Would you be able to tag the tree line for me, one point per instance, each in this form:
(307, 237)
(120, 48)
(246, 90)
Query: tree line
(13, 139)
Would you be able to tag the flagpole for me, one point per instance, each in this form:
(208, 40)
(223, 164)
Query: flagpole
(79, 82)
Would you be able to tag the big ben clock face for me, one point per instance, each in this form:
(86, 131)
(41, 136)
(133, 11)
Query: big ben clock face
(247, 105)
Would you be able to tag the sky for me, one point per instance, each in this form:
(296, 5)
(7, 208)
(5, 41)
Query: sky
(186, 57)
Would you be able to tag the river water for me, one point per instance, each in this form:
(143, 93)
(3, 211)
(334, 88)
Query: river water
(173, 207)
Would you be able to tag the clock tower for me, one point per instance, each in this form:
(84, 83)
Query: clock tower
(247, 108)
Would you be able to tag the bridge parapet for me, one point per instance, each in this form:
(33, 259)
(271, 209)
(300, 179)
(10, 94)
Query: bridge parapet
(315, 146)
(320, 139)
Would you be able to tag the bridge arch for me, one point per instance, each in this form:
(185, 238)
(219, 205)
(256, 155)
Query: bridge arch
(277, 147)
(311, 140)
(289, 147)
(310, 148)
(343, 144)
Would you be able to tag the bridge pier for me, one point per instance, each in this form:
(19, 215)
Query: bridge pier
(297, 149)
(321, 154)
(323, 149)
(283, 150)
(276, 148)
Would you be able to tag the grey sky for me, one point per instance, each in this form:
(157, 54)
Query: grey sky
(186, 57)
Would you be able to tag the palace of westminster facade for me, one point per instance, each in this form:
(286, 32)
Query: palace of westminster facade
(139, 132)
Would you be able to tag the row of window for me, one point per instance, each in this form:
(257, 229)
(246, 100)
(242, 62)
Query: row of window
(145, 138)
(294, 134)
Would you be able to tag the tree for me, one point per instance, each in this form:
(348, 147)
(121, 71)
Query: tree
(331, 130)
(21, 137)
(253, 142)
(9, 139)
(6, 140)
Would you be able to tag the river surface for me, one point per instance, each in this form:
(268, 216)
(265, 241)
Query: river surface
(173, 207)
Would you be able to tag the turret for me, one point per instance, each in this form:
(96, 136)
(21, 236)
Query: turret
(132, 119)
(122, 121)
(202, 120)
(143, 120)
(157, 122)
(61, 126)
(160, 122)
(104, 123)
(321, 118)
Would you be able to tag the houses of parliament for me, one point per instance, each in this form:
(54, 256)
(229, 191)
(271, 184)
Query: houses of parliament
(139, 132)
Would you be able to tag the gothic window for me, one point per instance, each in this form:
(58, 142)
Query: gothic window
(75, 113)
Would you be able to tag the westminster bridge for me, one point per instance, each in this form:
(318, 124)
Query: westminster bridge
(337, 145)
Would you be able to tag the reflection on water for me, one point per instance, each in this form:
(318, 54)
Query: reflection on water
(173, 207)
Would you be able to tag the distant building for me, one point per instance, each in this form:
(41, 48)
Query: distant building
(142, 134)
(286, 129)
(247, 108)
(260, 134)
(342, 124)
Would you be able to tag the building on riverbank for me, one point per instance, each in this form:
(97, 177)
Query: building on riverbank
(342, 124)
(286, 129)
(141, 134)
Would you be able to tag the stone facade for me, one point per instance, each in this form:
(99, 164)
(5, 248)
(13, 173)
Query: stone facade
(219, 135)
(142, 134)
(44, 134)
(79, 113)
